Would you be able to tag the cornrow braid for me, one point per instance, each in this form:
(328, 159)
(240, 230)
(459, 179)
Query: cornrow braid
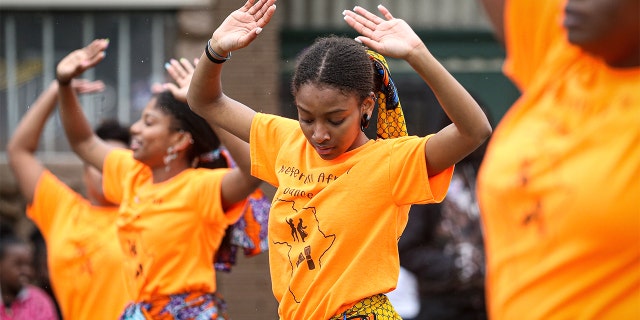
(338, 62)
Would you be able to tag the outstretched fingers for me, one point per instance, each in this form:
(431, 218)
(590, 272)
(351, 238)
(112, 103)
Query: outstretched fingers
(267, 14)
(369, 16)
(248, 6)
(362, 20)
(264, 10)
(85, 86)
(385, 12)
(94, 52)
(80, 60)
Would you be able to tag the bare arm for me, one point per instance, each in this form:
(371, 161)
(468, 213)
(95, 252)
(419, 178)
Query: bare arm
(84, 142)
(239, 183)
(395, 38)
(205, 96)
(24, 141)
(495, 12)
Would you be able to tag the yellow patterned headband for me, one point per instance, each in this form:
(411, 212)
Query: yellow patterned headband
(391, 122)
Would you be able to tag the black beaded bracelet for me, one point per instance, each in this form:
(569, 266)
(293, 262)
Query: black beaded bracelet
(213, 56)
(65, 83)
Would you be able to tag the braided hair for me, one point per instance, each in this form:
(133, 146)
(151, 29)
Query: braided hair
(204, 138)
(338, 62)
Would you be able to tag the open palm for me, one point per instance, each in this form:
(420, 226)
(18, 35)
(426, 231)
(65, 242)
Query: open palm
(389, 36)
(80, 60)
(243, 25)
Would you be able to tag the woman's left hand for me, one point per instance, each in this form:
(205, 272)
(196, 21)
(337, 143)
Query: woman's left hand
(181, 71)
(389, 36)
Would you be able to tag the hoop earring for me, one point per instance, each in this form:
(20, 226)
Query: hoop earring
(364, 122)
(171, 155)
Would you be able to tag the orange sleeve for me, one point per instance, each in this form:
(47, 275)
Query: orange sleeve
(531, 27)
(117, 165)
(409, 172)
(51, 198)
(268, 133)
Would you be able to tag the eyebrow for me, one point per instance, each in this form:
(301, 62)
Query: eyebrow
(327, 113)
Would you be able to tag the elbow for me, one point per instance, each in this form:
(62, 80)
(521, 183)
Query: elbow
(14, 149)
(10, 148)
(194, 104)
(11, 152)
(198, 105)
(485, 133)
(482, 134)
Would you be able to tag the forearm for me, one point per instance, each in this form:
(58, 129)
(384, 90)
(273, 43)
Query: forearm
(206, 98)
(27, 134)
(494, 10)
(238, 149)
(75, 123)
(205, 87)
(24, 142)
(455, 100)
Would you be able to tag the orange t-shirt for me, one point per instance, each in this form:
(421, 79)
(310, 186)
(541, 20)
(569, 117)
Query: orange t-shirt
(84, 256)
(559, 188)
(334, 225)
(169, 231)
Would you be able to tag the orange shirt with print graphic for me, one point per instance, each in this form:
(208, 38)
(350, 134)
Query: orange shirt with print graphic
(334, 225)
(83, 252)
(559, 185)
(169, 231)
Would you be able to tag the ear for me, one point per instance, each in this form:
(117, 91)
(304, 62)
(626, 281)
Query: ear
(368, 104)
(184, 141)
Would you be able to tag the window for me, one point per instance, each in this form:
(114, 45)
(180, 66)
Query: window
(34, 41)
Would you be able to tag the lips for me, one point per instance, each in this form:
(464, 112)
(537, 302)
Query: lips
(323, 150)
(135, 144)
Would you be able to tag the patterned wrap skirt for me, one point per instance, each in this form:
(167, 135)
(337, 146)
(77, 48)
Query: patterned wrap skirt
(185, 306)
(376, 307)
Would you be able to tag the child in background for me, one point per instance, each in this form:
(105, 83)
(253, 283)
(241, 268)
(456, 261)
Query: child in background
(20, 300)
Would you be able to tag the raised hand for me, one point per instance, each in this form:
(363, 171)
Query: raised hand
(242, 26)
(80, 60)
(181, 72)
(82, 86)
(389, 36)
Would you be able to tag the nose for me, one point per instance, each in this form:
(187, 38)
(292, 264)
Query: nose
(26, 271)
(320, 133)
(135, 127)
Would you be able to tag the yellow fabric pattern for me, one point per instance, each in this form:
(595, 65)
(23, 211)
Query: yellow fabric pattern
(377, 307)
(391, 122)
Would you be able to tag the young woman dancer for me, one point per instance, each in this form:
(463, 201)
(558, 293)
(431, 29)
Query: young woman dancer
(342, 198)
(173, 210)
(83, 254)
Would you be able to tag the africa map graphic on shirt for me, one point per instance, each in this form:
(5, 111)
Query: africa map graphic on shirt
(304, 226)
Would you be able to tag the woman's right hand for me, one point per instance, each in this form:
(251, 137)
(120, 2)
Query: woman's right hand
(242, 26)
(82, 86)
(75, 63)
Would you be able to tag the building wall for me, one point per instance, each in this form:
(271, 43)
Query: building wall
(247, 288)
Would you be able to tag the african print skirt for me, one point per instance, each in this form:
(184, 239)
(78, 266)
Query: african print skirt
(376, 307)
(186, 306)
